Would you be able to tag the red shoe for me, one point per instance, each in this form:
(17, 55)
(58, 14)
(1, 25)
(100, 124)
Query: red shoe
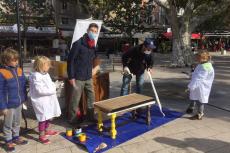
(10, 147)
(51, 133)
(44, 140)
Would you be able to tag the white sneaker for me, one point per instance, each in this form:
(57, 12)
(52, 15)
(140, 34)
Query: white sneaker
(200, 115)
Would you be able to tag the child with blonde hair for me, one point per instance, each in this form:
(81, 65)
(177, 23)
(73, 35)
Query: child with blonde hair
(12, 95)
(43, 97)
(200, 84)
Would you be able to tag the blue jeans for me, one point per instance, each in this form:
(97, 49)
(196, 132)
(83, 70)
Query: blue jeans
(126, 81)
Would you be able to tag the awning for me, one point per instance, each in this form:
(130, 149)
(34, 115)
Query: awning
(168, 35)
(28, 35)
(217, 34)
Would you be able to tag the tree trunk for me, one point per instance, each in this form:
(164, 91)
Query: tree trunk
(181, 47)
(177, 50)
(181, 51)
(186, 44)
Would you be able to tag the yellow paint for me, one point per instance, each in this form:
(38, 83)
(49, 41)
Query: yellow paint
(100, 123)
(113, 126)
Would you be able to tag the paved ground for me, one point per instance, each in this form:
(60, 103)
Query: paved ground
(212, 134)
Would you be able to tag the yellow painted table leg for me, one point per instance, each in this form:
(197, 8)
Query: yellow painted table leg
(113, 126)
(100, 123)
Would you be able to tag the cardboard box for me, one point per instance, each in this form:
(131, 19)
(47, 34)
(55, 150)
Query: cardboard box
(58, 69)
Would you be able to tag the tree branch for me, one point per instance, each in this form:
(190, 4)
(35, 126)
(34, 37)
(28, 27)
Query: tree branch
(188, 8)
(162, 3)
(211, 11)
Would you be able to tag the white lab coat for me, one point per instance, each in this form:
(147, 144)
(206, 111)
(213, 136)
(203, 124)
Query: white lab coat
(43, 96)
(201, 83)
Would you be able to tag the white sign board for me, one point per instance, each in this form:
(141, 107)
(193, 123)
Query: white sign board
(81, 28)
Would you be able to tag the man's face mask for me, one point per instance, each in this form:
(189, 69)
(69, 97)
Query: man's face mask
(92, 35)
(147, 51)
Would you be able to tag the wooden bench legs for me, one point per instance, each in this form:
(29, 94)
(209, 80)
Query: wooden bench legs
(148, 115)
(113, 130)
(100, 122)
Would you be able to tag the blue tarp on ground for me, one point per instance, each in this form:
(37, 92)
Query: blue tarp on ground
(126, 131)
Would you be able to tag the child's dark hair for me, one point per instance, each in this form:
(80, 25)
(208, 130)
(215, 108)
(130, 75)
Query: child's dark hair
(93, 25)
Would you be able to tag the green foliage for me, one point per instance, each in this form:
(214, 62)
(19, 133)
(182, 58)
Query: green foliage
(32, 12)
(99, 8)
(165, 47)
(219, 21)
(126, 17)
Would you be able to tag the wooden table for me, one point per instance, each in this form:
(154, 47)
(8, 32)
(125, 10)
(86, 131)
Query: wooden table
(114, 106)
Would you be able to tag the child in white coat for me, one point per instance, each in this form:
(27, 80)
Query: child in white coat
(43, 97)
(200, 84)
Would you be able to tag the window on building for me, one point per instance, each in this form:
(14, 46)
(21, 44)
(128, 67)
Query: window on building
(64, 20)
(64, 5)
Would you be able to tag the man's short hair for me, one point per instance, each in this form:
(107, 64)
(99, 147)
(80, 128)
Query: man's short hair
(93, 25)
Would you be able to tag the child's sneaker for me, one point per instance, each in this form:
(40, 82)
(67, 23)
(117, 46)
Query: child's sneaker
(51, 133)
(20, 141)
(43, 139)
(189, 111)
(200, 115)
(197, 116)
(10, 147)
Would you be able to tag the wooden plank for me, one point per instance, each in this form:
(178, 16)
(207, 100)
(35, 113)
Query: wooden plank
(132, 108)
(122, 102)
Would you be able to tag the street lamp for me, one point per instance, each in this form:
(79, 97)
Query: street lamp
(19, 33)
(20, 52)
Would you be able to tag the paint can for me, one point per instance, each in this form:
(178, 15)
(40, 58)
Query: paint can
(82, 137)
(69, 132)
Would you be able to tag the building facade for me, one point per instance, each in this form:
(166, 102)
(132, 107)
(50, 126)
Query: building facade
(66, 13)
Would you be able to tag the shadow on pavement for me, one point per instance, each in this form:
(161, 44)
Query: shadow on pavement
(200, 144)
